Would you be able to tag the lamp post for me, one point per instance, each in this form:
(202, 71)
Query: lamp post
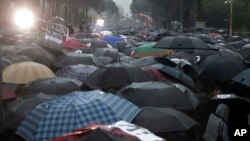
(231, 16)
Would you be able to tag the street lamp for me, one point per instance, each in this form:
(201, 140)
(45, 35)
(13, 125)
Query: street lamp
(231, 16)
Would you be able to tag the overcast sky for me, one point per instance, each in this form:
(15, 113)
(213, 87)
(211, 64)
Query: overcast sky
(125, 4)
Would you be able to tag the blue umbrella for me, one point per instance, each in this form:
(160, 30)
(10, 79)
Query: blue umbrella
(63, 114)
(80, 71)
(112, 39)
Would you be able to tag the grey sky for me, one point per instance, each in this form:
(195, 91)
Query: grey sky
(125, 4)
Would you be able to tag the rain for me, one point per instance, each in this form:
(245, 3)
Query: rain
(125, 70)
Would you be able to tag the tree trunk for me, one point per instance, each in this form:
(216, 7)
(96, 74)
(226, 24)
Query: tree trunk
(200, 10)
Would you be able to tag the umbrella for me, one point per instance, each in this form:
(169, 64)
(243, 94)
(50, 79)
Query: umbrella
(178, 75)
(158, 76)
(121, 45)
(51, 46)
(221, 67)
(148, 50)
(183, 55)
(71, 44)
(98, 44)
(53, 86)
(201, 55)
(204, 38)
(243, 77)
(8, 50)
(63, 114)
(126, 59)
(129, 51)
(80, 72)
(144, 61)
(245, 54)
(10, 59)
(107, 52)
(164, 120)
(24, 72)
(111, 39)
(7, 93)
(72, 58)
(182, 42)
(236, 45)
(37, 54)
(117, 75)
(157, 94)
(18, 109)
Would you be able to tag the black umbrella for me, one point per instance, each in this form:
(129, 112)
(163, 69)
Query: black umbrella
(163, 120)
(51, 46)
(107, 52)
(37, 54)
(182, 42)
(243, 78)
(221, 67)
(201, 55)
(236, 45)
(18, 109)
(178, 75)
(145, 61)
(10, 59)
(159, 94)
(237, 104)
(117, 75)
(245, 54)
(183, 55)
(53, 86)
(98, 44)
(204, 38)
(72, 58)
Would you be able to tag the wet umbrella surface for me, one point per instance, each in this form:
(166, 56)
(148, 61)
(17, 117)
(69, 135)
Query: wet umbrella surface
(64, 114)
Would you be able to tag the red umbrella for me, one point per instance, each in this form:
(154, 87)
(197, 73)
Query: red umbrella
(7, 93)
(71, 44)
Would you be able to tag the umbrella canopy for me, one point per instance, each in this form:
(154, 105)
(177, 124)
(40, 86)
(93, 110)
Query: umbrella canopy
(148, 50)
(111, 39)
(18, 109)
(243, 77)
(216, 67)
(201, 55)
(157, 94)
(163, 120)
(72, 58)
(117, 75)
(182, 42)
(71, 44)
(204, 38)
(158, 76)
(126, 59)
(98, 44)
(53, 86)
(63, 114)
(245, 54)
(178, 75)
(51, 46)
(37, 54)
(17, 58)
(80, 72)
(7, 93)
(107, 52)
(144, 61)
(8, 50)
(24, 72)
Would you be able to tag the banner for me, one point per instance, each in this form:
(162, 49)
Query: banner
(56, 32)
